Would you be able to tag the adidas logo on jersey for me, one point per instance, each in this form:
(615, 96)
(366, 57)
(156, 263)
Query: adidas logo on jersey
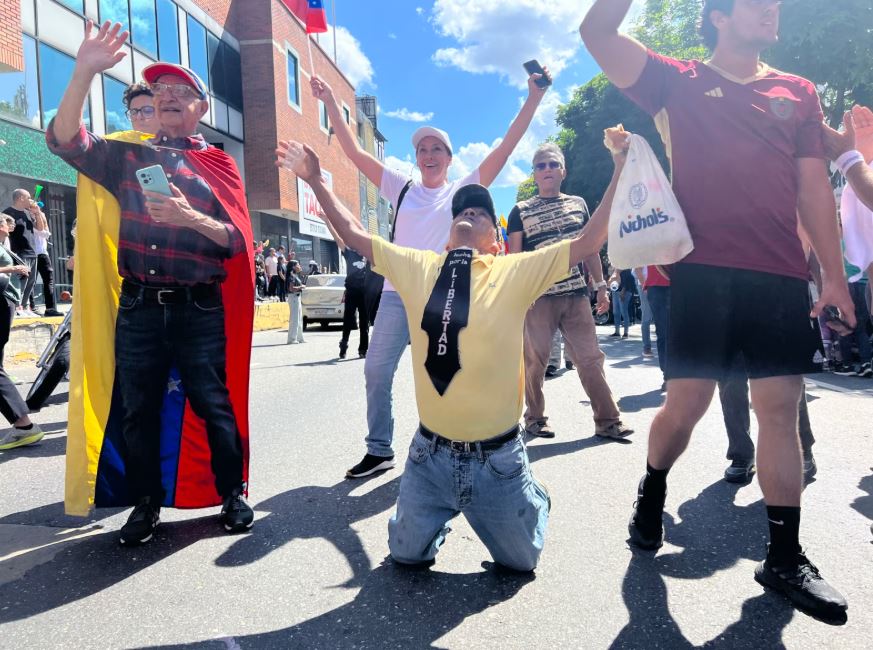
(715, 92)
(817, 357)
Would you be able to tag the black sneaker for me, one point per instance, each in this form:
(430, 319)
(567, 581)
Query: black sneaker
(370, 465)
(141, 524)
(801, 582)
(846, 370)
(646, 526)
(614, 335)
(551, 370)
(740, 471)
(236, 515)
(342, 351)
(569, 365)
(866, 370)
(52, 313)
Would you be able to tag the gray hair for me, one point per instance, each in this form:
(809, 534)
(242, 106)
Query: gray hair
(549, 148)
(19, 194)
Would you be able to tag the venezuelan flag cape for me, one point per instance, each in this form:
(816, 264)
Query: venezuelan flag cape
(95, 456)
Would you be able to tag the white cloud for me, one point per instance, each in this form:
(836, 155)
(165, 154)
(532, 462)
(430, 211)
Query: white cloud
(409, 116)
(497, 36)
(355, 65)
(403, 165)
(419, 10)
(392, 36)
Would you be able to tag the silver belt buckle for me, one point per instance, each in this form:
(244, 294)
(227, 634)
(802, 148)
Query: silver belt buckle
(161, 293)
(457, 445)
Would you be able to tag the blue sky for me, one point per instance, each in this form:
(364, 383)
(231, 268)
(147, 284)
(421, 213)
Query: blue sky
(457, 64)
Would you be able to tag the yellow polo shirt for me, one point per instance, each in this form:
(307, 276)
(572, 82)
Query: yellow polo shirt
(486, 396)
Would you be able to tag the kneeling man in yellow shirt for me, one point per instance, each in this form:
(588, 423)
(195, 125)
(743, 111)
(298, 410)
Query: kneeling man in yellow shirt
(466, 310)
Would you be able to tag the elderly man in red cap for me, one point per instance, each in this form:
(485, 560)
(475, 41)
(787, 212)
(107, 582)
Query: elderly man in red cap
(181, 259)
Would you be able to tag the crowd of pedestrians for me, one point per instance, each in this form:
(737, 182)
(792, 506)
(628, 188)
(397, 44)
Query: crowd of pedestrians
(760, 208)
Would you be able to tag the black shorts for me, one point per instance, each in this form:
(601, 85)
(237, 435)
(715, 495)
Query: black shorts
(718, 315)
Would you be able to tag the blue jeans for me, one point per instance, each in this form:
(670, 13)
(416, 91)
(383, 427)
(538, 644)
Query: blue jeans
(149, 339)
(389, 340)
(646, 319)
(858, 291)
(659, 303)
(620, 312)
(506, 506)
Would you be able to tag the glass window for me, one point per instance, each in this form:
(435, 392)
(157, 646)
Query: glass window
(347, 116)
(322, 115)
(115, 11)
(168, 31)
(197, 59)
(75, 5)
(55, 72)
(216, 65)
(19, 91)
(232, 76)
(293, 79)
(144, 22)
(113, 101)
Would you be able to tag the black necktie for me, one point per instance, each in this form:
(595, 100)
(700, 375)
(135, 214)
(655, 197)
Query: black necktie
(445, 315)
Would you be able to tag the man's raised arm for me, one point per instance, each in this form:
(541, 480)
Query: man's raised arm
(621, 57)
(852, 149)
(98, 52)
(303, 161)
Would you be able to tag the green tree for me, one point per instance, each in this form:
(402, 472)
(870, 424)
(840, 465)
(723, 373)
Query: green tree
(830, 43)
(526, 189)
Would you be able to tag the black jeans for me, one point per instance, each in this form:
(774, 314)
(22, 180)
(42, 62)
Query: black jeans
(734, 395)
(149, 338)
(47, 273)
(11, 405)
(355, 303)
(659, 302)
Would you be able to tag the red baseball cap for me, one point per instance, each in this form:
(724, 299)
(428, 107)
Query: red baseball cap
(151, 73)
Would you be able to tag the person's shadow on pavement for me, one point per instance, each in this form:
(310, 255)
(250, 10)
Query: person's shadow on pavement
(714, 533)
(313, 512)
(864, 504)
(395, 608)
(89, 565)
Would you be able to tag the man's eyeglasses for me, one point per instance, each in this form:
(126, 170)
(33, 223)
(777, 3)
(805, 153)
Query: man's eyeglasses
(176, 90)
(146, 112)
(552, 164)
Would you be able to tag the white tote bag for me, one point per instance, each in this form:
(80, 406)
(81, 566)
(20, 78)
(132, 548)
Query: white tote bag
(646, 224)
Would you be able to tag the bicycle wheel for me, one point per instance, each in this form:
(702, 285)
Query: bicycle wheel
(49, 377)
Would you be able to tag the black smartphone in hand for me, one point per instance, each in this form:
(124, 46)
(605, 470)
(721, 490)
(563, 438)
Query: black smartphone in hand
(533, 67)
(833, 320)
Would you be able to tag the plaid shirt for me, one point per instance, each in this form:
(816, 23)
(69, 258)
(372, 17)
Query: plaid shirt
(152, 253)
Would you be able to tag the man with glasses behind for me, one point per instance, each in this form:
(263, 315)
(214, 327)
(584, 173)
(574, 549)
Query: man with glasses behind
(186, 300)
(545, 219)
(139, 103)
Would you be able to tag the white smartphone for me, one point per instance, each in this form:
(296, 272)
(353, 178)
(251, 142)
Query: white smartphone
(153, 179)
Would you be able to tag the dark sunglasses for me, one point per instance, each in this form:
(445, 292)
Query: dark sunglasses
(147, 112)
(552, 164)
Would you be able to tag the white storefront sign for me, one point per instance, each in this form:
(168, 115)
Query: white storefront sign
(311, 214)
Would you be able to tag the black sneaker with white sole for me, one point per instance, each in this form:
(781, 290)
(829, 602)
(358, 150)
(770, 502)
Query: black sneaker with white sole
(236, 515)
(740, 471)
(370, 465)
(141, 524)
(801, 582)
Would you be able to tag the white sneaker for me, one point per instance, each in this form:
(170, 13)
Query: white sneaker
(16, 437)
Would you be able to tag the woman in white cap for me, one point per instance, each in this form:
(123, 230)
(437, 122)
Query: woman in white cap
(421, 221)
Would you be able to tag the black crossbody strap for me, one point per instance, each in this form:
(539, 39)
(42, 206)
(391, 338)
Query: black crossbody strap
(397, 207)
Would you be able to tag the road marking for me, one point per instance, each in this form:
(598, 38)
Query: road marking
(95, 531)
(839, 389)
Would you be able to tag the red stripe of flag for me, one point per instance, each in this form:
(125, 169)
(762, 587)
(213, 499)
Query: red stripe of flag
(311, 12)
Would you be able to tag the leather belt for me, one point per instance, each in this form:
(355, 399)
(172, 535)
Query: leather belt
(490, 444)
(170, 295)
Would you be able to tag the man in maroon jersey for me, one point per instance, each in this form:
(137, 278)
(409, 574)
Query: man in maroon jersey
(745, 144)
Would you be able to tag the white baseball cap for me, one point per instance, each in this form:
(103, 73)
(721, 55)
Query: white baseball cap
(425, 131)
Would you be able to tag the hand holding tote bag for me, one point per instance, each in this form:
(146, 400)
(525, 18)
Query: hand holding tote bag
(646, 224)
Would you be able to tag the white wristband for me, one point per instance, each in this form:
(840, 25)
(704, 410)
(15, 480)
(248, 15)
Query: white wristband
(848, 160)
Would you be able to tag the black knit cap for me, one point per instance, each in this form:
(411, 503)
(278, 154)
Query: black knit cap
(473, 196)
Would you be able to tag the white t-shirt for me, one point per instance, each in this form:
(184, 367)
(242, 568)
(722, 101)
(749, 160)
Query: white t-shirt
(40, 241)
(271, 265)
(425, 215)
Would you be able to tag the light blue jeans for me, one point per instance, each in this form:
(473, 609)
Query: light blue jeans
(505, 505)
(389, 339)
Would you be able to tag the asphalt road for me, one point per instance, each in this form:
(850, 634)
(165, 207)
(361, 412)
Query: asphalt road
(313, 572)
